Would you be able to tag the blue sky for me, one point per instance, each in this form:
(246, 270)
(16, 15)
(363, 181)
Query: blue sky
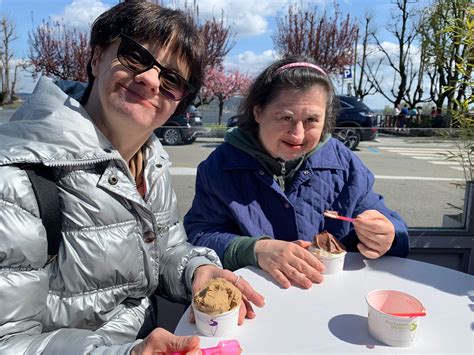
(253, 21)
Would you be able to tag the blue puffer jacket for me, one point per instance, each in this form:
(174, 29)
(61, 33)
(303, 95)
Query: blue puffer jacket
(236, 196)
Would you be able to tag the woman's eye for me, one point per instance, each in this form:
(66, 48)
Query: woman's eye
(312, 120)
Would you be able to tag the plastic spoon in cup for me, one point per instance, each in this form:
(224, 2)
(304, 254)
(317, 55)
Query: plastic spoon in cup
(335, 215)
(414, 314)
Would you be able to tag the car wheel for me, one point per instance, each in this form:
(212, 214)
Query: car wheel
(349, 136)
(171, 136)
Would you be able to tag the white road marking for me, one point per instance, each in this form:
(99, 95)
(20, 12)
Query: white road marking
(192, 172)
(437, 156)
(424, 178)
(183, 171)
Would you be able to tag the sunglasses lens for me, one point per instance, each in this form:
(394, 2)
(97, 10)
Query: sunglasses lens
(137, 59)
(172, 85)
(134, 57)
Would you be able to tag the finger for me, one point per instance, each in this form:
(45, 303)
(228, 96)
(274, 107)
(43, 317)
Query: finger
(368, 235)
(314, 275)
(249, 292)
(194, 352)
(297, 277)
(192, 318)
(302, 243)
(242, 313)
(372, 241)
(314, 262)
(187, 344)
(164, 341)
(280, 278)
(378, 224)
(367, 252)
(250, 312)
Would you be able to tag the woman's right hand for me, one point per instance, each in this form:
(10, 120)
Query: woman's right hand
(160, 341)
(289, 263)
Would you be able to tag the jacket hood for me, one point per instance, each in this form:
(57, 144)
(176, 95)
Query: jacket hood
(52, 127)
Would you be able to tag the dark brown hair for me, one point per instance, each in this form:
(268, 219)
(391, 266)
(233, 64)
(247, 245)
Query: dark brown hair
(149, 22)
(271, 81)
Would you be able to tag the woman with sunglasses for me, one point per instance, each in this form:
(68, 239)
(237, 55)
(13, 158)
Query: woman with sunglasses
(121, 241)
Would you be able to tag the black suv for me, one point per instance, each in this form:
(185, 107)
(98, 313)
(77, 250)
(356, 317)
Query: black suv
(183, 128)
(355, 122)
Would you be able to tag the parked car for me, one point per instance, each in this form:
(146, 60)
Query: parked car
(232, 121)
(355, 122)
(183, 128)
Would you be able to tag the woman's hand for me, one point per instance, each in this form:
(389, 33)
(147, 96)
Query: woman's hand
(160, 341)
(207, 272)
(289, 262)
(376, 233)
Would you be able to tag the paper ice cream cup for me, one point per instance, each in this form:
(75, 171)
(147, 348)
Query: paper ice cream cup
(217, 325)
(334, 263)
(389, 329)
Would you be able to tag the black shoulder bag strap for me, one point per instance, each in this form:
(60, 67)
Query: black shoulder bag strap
(44, 186)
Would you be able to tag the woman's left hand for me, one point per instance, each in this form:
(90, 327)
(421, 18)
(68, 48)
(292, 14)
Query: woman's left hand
(207, 272)
(376, 233)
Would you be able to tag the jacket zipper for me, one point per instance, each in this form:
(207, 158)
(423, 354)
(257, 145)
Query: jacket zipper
(118, 160)
(283, 167)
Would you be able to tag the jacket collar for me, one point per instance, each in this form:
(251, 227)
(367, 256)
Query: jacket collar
(324, 159)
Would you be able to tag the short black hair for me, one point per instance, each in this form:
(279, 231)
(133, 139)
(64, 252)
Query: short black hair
(149, 22)
(270, 82)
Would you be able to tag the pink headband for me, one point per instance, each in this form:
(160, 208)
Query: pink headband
(300, 64)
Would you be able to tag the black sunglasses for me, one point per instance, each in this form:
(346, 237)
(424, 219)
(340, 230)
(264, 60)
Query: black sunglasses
(137, 59)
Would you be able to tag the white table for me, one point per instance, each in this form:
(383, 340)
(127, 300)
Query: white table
(332, 317)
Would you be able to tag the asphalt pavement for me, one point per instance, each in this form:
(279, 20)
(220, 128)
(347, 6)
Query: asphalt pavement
(423, 191)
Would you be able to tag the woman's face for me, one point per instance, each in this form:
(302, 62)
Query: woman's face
(122, 102)
(291, 124)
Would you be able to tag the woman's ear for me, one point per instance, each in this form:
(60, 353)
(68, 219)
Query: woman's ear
(95, 60)
(256, 113)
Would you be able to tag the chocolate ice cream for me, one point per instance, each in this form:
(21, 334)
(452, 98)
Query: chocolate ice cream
(327, 243)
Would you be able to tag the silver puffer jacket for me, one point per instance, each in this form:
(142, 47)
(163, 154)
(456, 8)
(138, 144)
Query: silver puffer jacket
(117, 248)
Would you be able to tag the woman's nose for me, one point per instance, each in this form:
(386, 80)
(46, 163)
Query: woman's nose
(297, 129)
(151, 79)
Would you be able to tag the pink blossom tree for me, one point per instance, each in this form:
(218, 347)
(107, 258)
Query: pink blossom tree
(223, 85)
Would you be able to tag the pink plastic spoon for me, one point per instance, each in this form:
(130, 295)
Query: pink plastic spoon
(335, 215)
(415, 314)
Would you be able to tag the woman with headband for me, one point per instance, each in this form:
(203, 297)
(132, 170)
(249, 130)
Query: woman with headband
(268, 185)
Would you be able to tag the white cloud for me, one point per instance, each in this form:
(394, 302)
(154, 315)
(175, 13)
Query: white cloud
(247, 24)
(81, 13)
(246, 17)
(250, 62)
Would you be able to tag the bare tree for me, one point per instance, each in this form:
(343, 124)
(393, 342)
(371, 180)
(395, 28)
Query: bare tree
(403, 28)
(363, 86)
(218, 37)
(7, 34)
(219, 41)
(329, 39)
(59, 52)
